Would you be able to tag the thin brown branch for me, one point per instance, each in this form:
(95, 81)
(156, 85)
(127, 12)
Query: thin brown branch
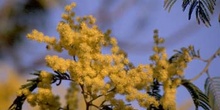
(208, 62)
(199, 58)
(95, 106)
(102, 103)
(101, 95)
(95, 98)
(84, 96)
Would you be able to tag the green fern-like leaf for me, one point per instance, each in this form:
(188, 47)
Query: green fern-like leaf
(168, 4)
(202, 14)
(212, 88)
(199, 98)
(185, 4)
(19, 101)
(210, 5)
(32, 85)
(192, 6)
(203, 9)
(179, 53)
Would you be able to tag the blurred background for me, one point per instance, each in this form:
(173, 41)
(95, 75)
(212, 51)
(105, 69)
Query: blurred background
(132, 22)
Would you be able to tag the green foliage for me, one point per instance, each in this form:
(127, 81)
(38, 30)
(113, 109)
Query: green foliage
(192, 52)
(212, 87)
(18, 102)
(168, 4)
(155, 92)
(33, 84)
(203, 8)
(199, 98)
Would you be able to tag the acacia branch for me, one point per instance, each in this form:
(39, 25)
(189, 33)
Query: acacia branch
(208, 62)
(84, 96)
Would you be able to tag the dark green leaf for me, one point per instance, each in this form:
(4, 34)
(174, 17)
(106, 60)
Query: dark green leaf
(18, 102)
(193, 5)
(169, 4)
(204, 10)
(204, 18)
(212, 88)
(210, 5)
(199, 98)
(31, 85)
(197, 15)
(185, 4)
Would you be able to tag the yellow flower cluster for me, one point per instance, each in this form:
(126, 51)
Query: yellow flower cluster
(57, 64)
(44, 97)
(167, 72)
(178, 65)
(99, 74)
(84, 42)
(40, 37)
(160, 63)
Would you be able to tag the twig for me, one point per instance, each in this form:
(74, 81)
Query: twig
(102, 103)
(95, 106)
(205, 70)
(83, 92)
